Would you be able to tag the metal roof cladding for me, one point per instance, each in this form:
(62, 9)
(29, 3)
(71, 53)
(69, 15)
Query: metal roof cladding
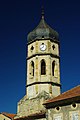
(42, 31)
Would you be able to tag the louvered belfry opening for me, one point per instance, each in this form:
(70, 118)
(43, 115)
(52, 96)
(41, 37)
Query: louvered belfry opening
(53, 67)
(32, 65)
(43, 67)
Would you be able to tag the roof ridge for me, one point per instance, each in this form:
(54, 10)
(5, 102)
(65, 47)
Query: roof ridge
(8, 113)
(69, 90)
(74, 92)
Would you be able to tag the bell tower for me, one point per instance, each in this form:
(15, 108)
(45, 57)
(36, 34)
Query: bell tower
(43, 71)
(43, 61)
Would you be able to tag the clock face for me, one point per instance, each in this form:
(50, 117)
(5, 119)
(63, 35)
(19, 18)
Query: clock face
(42, 47)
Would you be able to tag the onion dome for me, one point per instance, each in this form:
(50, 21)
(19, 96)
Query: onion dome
(42, 31)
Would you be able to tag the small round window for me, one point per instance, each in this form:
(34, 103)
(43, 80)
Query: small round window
(74, 105)
(58, 109)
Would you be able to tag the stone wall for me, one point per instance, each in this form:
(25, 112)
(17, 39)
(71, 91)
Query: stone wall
(41, 119)
(27, 107)
(64, 113)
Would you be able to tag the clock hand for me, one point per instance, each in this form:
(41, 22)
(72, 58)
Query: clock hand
(42, 46)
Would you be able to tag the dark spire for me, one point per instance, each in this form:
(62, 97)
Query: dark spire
(42, 12)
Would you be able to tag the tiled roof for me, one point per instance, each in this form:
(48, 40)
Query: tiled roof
(75, 92)
(33, 116)
(9, 115)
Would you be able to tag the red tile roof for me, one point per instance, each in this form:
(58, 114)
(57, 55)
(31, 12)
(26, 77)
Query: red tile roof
(9, 115)
(66, 95)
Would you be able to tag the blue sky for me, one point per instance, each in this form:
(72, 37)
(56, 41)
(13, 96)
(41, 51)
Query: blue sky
(17, 19)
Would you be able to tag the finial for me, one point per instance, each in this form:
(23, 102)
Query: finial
(42, 12)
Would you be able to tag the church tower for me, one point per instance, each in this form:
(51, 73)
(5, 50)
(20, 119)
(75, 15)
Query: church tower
(43, 61)
(43, 70)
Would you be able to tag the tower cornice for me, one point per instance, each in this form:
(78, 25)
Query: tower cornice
(52, 40)
(47, 82)
(42, 54)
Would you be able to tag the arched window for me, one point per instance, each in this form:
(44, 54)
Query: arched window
(43, 67)
(32, 66)
(53, 67)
